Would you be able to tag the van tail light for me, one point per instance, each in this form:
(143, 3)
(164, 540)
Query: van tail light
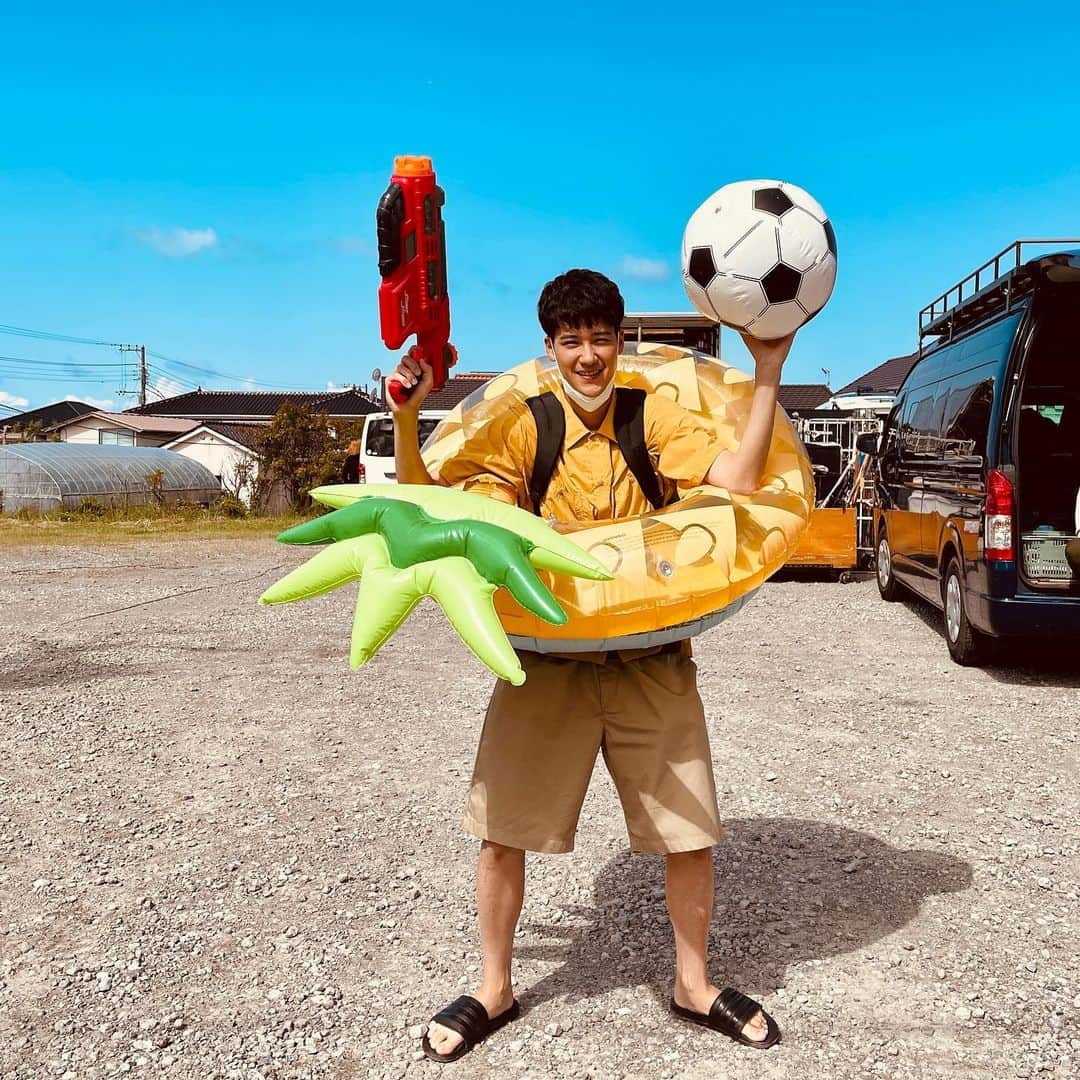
(998, 534)
(361, 474)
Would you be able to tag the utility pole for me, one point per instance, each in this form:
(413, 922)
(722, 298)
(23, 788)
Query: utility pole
(141, 350)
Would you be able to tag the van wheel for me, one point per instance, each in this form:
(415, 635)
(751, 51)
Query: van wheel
(966, 645)
(887, 584)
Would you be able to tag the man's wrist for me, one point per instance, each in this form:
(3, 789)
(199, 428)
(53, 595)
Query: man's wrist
(767, 373)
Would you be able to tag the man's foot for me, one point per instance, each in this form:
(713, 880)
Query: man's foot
(495, 1001)
(700, 1000)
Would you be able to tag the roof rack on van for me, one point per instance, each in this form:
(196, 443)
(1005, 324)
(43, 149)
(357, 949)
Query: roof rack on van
(994, 287)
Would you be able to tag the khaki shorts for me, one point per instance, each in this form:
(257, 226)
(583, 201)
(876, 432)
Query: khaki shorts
(540, 741)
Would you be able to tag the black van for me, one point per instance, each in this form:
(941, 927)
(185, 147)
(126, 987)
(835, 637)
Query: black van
(977, 503)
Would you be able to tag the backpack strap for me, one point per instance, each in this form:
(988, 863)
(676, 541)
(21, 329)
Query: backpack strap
(550, 435)
(630, 435)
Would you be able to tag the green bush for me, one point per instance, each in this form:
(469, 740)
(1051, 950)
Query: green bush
(230, 506)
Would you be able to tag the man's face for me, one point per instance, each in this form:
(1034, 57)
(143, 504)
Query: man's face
(586, 356)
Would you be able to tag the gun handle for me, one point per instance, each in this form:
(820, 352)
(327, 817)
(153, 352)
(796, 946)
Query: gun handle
(398, 391)
(440, 370)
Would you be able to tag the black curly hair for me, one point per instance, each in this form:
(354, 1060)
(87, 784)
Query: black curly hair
(580, 299)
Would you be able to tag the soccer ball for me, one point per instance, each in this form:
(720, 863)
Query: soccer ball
(759, 256)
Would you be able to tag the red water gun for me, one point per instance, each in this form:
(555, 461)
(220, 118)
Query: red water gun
(412, 262)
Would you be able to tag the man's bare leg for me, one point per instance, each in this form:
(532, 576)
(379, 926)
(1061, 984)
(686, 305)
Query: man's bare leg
(500, 890)
(689, 884)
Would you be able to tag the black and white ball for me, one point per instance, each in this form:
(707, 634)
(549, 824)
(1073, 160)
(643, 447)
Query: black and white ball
(759, 256)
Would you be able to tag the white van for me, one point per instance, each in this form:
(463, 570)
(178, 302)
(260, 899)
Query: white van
(377, 444)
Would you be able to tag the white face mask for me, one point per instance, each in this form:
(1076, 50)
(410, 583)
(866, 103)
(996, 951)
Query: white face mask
(589, 404)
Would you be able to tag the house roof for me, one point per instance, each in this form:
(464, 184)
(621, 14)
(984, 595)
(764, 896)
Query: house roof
(257, 405)
(245, 435)
(164, 425)
(49, 414)
(884, 379)
(457, 388)
(796, 396)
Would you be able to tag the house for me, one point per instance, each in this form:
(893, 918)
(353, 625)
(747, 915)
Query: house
(456, 389)
(797, 398)
(876, 390)
(229, 451)
(258, 406)
(120, 429)
(15, 428)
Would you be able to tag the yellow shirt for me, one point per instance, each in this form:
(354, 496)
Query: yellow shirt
(591, 481)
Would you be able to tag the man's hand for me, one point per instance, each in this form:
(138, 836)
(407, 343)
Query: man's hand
(412, 372)
(769, 356)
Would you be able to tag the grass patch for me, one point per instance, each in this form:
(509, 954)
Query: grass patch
(117, 526)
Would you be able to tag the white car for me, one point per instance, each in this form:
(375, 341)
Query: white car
(377, 445)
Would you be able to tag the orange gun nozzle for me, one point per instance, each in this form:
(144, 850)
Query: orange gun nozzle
(408, 165)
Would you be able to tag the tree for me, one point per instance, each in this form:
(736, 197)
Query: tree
(301, 451)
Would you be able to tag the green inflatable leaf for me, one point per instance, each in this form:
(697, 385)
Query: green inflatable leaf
(406, 542)
(412, 537)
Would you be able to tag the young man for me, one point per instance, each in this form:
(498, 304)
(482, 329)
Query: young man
(540, 740)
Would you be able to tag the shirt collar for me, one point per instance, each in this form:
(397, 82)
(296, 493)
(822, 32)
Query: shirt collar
(576, 431)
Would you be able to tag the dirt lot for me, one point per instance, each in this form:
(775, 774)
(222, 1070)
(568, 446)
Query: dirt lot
(223, 854)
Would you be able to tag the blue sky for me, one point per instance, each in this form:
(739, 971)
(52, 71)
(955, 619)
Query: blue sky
(202, 178)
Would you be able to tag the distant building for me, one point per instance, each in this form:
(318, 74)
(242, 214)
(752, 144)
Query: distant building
(223, 428)
(456, 389)
(47, 476)
(797, 398)
(258, 406)
(14, 428)
(876, 390)
(120, 429)
(231, 453)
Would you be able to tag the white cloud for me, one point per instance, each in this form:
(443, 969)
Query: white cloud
(12, 400)
(177, 242)
(163, 387)
(104, 404)
(333, 388)
(641, 269)
(248, 384)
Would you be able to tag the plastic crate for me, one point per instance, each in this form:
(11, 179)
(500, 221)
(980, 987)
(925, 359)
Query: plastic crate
(1044, 555)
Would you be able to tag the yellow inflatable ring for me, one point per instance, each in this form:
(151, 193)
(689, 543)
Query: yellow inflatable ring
(679, 570)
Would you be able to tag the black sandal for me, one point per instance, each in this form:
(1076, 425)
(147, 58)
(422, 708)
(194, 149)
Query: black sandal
(730, 1013)
(470, 1020)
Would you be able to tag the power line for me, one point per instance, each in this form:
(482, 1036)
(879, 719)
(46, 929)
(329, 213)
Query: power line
(211, 373)
(65, 368)
(27, 360)
(49, 335)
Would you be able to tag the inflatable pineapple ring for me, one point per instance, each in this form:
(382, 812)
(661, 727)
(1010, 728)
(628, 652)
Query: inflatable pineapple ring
(675, 571)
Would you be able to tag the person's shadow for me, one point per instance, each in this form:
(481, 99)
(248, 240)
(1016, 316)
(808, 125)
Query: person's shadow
(787, 890)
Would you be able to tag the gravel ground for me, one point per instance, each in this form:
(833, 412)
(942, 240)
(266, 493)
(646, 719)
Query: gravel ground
(223, 854)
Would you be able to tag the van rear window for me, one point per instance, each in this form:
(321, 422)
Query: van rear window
(379, 440)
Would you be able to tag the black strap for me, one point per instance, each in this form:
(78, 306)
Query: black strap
(550, 435)
(732, 1011)
(467, 1017)
(629, 434)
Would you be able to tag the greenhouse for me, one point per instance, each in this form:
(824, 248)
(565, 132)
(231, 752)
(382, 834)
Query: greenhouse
(53, 475)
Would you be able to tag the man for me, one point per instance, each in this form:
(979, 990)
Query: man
(540, 740)
(350, 467)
